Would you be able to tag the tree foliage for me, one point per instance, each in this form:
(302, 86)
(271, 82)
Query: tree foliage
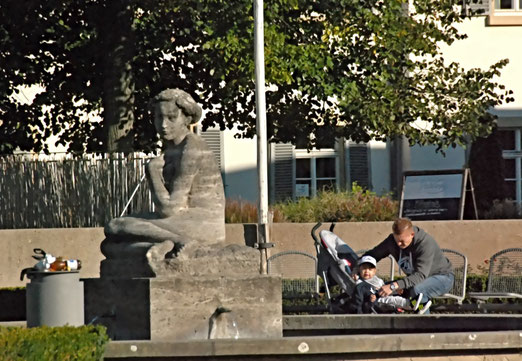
(359, 69)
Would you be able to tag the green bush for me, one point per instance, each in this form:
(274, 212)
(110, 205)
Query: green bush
(66, 343)
(357, 205)
(502, 209)
(476, 282)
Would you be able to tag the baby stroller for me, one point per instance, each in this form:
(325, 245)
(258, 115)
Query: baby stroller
(336, 265)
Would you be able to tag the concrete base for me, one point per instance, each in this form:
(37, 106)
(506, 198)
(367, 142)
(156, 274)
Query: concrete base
(182, 307)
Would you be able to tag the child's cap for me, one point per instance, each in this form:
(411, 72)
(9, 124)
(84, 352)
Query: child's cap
(368, 259)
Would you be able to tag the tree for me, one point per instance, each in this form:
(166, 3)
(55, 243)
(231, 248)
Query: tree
(358, 69)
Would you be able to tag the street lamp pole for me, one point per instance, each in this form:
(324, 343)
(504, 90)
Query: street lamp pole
(262, 168)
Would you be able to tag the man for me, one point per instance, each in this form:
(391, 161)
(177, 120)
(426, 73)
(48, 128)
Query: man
(428, 272)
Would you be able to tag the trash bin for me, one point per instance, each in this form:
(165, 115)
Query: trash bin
(54, 299)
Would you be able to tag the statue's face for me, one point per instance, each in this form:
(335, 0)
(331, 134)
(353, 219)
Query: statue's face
(170, 121)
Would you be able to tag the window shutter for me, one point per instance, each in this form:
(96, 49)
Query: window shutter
(475, 7)
(358, 161)
(282, 169)
(214, 140)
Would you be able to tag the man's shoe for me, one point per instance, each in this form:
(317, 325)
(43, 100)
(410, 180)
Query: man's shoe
(424, 307)
(415, 302)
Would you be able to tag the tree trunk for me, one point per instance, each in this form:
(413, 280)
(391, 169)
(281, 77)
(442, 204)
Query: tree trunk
(118, 96)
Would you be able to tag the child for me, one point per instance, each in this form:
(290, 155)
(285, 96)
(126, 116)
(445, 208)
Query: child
(365, 299)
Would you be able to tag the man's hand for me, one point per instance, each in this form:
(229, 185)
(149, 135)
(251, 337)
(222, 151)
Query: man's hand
(386, 289)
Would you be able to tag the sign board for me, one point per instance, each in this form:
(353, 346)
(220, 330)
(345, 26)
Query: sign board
(302, 190)
(435, 195)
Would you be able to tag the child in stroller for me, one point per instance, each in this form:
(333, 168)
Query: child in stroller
(338, 265)
(365, 298)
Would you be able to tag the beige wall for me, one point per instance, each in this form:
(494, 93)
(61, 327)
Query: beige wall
(77, 243)
(476, 239)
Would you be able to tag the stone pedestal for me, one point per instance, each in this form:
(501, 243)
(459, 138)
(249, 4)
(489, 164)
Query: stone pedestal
(206, 292)
(186, 308)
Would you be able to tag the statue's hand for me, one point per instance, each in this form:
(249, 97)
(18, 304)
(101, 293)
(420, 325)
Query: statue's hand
(167, 212)
(156, 164)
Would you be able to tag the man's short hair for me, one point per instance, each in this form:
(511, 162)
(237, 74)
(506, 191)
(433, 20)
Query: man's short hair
(401, 224)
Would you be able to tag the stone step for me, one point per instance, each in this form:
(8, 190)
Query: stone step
(312, 325)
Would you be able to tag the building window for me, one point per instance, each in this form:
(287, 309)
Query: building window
(512, 153)
(315, 171)
(508, 5)
(505, 12)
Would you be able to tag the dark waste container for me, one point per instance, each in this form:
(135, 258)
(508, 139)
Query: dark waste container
(54, 299)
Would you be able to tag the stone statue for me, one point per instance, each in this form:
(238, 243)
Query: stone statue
(186, 188)
(170, 275)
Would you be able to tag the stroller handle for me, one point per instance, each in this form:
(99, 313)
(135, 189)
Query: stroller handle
(314, 229)
(317, 225)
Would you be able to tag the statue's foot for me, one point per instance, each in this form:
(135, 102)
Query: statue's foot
(175, 250)
(157, 254)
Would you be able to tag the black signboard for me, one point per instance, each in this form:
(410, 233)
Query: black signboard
(435, 195)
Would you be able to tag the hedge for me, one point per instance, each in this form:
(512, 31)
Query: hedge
(67, 343)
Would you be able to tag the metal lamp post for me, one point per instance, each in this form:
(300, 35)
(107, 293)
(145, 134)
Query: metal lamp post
(262, 167)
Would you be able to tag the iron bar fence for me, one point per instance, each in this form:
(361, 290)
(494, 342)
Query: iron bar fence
(61, 190)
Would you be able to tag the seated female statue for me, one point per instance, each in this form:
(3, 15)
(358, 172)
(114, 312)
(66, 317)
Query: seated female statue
(185, 184)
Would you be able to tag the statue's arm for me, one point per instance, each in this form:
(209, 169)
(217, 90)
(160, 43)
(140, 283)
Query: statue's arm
(183, 180)
(168, 204)
(154, 170)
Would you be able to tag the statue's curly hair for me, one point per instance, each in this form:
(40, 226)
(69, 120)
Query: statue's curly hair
(183, 100)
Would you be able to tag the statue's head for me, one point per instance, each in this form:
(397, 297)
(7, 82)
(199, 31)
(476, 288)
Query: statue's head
(182, 100)
(174, 111)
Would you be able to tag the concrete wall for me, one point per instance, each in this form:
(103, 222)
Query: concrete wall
(478, 240)
(380, 171)
(74, 243)
(239, 160)
(484, 46)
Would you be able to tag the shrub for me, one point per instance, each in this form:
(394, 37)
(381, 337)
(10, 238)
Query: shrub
(239, 211)
(66, 343)
(357, 205)
(502, 209)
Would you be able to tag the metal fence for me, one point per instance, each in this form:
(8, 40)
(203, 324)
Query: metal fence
(42, 191)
